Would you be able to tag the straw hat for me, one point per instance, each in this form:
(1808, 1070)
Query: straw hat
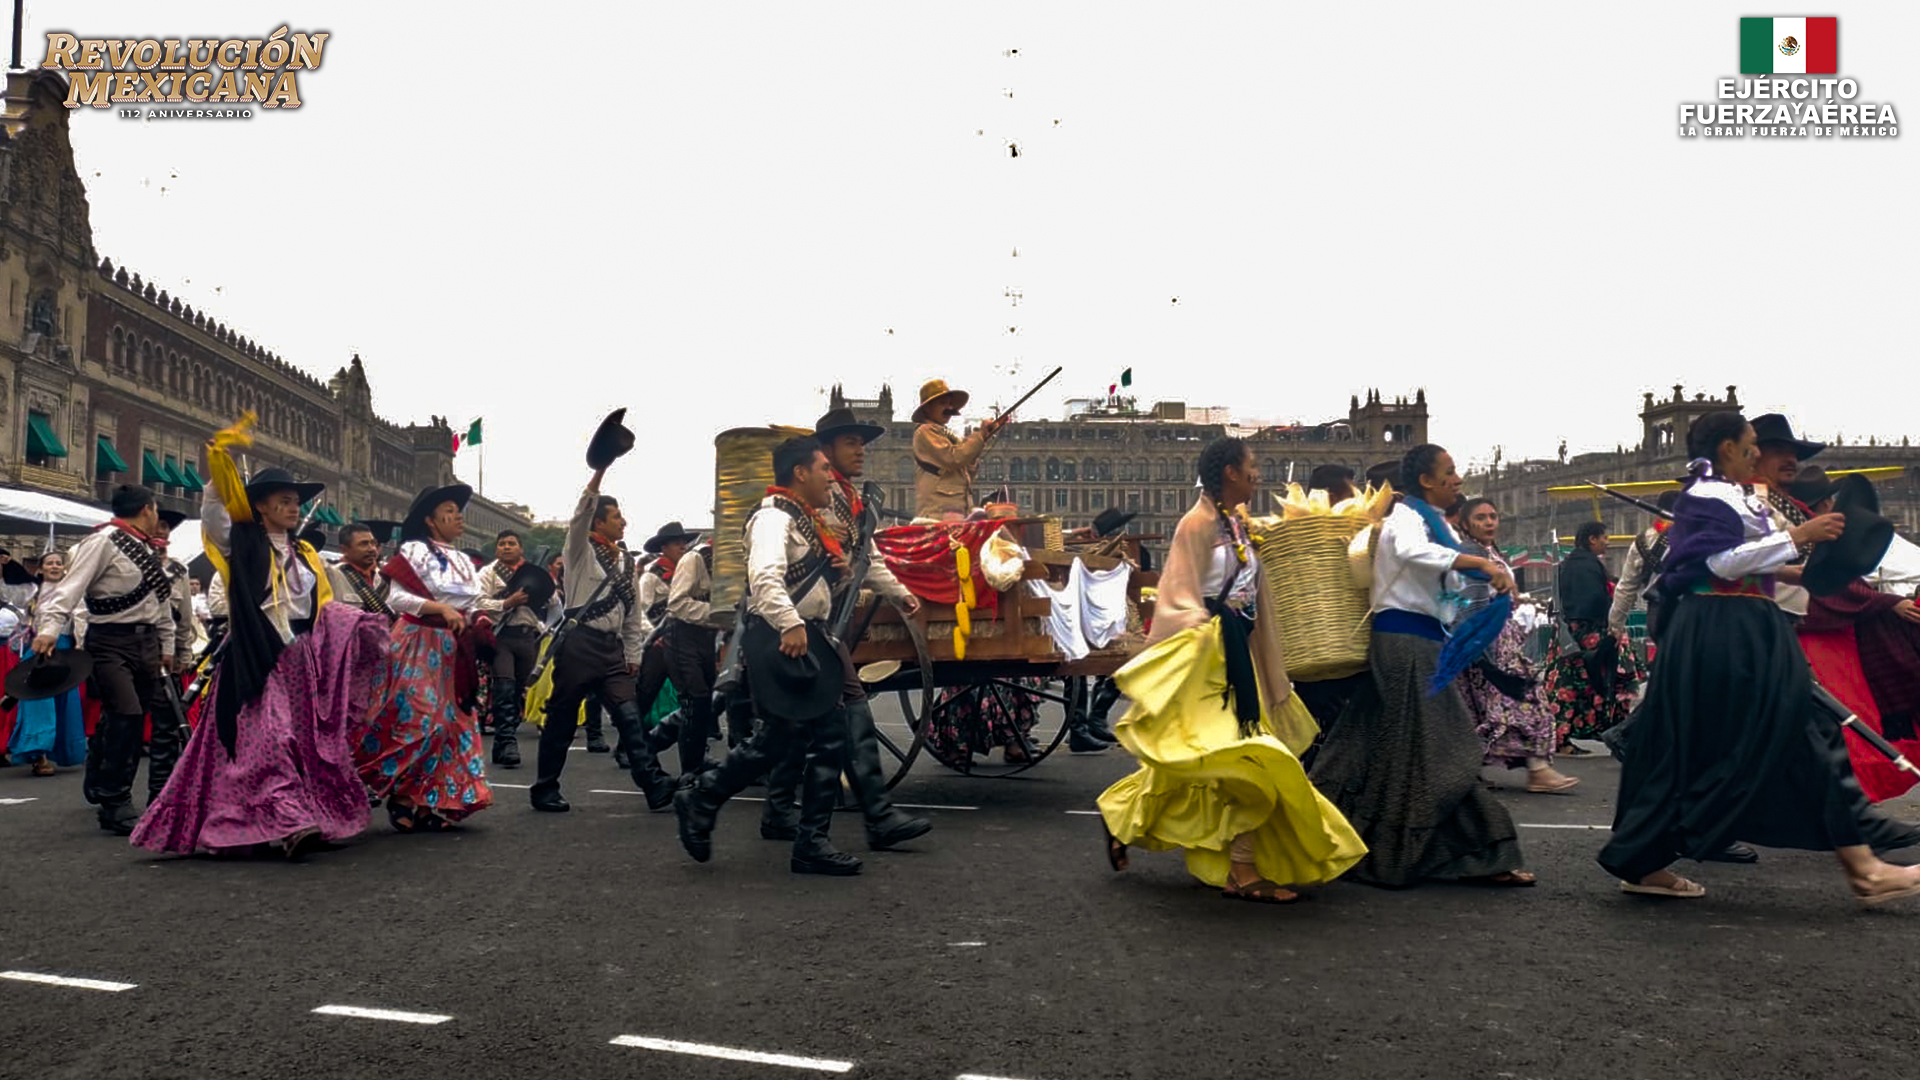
(936, 393)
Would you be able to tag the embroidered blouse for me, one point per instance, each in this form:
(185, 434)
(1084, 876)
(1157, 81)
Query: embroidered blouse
(448, 573)
(297, 602)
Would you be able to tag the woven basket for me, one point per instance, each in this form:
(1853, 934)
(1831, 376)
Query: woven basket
(743, 467)
(1056, 536)
(1323, 617)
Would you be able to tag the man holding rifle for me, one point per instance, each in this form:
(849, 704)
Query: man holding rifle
(947, 462)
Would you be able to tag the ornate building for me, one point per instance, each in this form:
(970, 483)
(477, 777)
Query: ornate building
(1533, 519)
(1110, 453)
(106, 379)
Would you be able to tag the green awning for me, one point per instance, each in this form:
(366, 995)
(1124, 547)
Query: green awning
(326, 516)
(191, 478)
(335, 515)
(108, 459)
(173, 470)
(152, 473)
(41, 441)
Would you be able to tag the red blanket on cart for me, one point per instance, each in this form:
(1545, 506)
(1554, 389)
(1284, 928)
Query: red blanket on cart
(923, 558)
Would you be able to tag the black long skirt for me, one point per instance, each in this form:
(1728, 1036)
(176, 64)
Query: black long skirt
(1730, 746)
(1404, 768)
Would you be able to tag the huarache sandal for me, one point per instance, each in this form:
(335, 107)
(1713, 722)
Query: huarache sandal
(1260, 892)
(1680, 889)
(403, 817)
(1116, 851)
(1560, 784)
(1887, 897)
(1505, 879)
(432, 822)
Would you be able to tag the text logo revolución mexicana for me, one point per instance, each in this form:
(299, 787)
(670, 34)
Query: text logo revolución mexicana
(1790, 46)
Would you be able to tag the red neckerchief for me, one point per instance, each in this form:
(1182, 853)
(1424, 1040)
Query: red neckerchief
(853, 497)
(664, 567)
(1661, 525)
(127, 527)
(827, 539)
(365, 575)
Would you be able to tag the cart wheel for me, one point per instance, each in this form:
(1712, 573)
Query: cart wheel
(919, 716)
(1001, 692)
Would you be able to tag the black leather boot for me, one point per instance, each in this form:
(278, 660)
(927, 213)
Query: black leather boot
(648, 776)
(506, 723)
(780, 815)
(887, 825)
(813, 852)
(163, 751)
(596, 739)
(1079, 710)
(665, 734)
(112, 765)
(556, 738)
(695, 728)
(1106, 693)
(697, 804)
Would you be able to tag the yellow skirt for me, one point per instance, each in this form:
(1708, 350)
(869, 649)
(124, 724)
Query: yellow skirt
(1200, 783)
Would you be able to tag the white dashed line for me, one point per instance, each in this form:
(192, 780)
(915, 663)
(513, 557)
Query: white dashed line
(982, 1076)
(1597, 828)
(17, 802)
(518, 787)
(758, 798)
(1085, 813)
(62, 980)
(966, 944)
(382, 1014)
(728, 1053)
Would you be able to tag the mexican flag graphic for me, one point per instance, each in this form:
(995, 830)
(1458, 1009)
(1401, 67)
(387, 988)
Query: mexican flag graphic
(1796, 46)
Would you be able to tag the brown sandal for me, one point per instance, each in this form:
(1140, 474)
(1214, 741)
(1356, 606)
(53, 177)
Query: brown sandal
(1261, 892)
(1116, 851)
(1505, 879)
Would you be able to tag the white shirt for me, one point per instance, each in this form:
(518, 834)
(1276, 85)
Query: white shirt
(447, 573)
(296, 602)
(98, 569)
(1411, 570)
(690, 578)
(583, 576)
(774, 541)
(1246, 587)
(1767, 547)
(493, 582)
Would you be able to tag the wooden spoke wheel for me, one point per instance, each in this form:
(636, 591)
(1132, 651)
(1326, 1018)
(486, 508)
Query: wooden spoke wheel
(991, 693)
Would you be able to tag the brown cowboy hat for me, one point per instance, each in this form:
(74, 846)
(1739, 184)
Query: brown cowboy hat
(935, 392)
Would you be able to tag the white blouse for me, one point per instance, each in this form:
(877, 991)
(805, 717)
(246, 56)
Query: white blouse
(1411, 570)
(1767, 547)
(216, 529)
(447, 573)
(1246, 587)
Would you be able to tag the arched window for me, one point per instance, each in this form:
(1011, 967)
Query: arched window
(1018, 470)
(993, 469)
(1106, 470)
(1033, 468)
(1067, 471)
(1053, 469)
(1126, 470)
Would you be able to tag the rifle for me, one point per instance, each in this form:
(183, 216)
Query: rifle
(1641, 503)
(203, 674)
(860, 561)
(1024, 397)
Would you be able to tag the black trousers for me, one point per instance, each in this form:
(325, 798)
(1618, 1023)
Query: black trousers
(126, 678)
(692, 665)
(590, 662)
(515, 651)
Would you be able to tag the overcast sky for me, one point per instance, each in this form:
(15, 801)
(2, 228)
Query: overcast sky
(712, 212)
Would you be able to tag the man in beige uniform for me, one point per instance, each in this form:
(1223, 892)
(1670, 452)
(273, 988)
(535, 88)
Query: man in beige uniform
(117, 578)
(356, 578)
(947, 462)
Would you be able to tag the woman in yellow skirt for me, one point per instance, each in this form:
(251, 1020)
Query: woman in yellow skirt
(1214, 721)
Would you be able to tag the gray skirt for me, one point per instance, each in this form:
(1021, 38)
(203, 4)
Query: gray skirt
(1405, 770)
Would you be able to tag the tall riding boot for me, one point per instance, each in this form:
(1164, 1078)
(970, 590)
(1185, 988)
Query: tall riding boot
(556, 738)
(780, 814)
(666, 733)
(698, 803)
(886, 825)
(696, 726)
(596, 739)
(1106, 693)
(506, 723)
(113, 775)
(648, 776)
(1079, 701)
(163, 752)
(813, 852)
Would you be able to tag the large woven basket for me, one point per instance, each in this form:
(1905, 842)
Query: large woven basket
(743, 467)
(1323, 617)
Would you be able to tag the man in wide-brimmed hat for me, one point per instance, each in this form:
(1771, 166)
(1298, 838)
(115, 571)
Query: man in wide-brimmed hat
(603, 652)
(667, 546)
(946, 460)
(119, 576)
(1781, 453)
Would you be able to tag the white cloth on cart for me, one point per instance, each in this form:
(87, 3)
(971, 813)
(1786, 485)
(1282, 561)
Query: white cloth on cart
(1089, 612)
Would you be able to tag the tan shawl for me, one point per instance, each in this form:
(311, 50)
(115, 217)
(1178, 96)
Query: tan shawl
(1181, 605)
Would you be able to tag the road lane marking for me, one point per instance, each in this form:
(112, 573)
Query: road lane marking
(730, 1054)
(966, 944)
(62, 980)
(1533, 825)
(1085, 813)
(760, 798)
(520, 787)
(17, 802)
(982, 1076)
(382, 1014)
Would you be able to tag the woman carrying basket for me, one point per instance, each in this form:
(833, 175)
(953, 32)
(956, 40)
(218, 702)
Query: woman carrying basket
(1214, 721)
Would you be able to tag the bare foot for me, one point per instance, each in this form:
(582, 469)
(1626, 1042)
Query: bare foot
(1885, 880)
(1550, 781)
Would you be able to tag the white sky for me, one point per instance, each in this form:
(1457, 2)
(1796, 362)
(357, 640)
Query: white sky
(712, 212)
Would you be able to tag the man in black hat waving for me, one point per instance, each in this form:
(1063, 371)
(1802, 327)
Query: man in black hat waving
(601, 653)
(118, 576)
(794, 670)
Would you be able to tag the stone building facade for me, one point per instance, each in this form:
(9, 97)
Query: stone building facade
(1114, 454)
(1532, 519)
(106, 379)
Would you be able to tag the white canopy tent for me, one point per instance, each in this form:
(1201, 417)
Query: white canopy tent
(37, 509)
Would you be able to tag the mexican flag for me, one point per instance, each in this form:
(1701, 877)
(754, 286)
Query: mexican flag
(1793, 46)
(473, 434)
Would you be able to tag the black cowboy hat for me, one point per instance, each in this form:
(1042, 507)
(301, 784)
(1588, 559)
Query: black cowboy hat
(789, 688)
(1856, 490)
(13, 573)
(414, 525)
(1836, 563)
(382, 530)
(173, 518)
(534, 580)
(1812, 485)
(48, 676)
(1112, 520)
(314, 537)
(1774, 428)
(838, 422)
(669, 533)
(610, 442)
(267, 481)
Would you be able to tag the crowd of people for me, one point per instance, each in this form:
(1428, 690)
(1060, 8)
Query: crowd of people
(331, 690)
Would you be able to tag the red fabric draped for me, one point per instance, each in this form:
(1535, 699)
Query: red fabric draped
(1835, 659)
(922, 557)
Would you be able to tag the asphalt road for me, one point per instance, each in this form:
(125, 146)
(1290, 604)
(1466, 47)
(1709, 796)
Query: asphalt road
(1001, 946)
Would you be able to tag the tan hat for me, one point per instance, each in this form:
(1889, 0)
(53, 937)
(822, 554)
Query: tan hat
(935, 392)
